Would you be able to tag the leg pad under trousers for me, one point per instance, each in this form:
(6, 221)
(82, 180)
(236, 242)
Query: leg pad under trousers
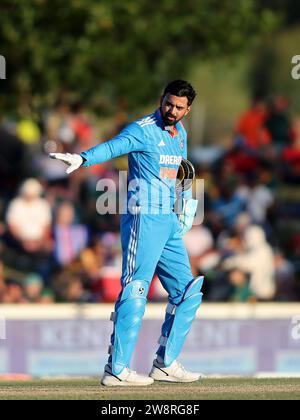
(178, 322)
(127, 323)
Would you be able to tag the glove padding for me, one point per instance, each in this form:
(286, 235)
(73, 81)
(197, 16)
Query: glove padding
(186, 218)
(73, 160)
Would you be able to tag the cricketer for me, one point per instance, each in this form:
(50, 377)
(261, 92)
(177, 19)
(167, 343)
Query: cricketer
(151, 235)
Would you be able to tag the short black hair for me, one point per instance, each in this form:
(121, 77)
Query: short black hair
(181, 88)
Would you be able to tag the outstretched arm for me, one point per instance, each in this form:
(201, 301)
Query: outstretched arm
(131, 139)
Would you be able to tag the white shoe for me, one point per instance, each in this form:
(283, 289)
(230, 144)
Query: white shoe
(126, 378)
(174, 373)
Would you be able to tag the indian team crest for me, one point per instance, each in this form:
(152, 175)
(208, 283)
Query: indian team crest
(181, 143)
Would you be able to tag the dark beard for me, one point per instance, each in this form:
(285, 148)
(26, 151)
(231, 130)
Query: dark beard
(166, 121)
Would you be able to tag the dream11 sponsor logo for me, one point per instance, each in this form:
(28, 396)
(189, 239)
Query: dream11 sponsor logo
(296, 328)
(2, 67)
(296, 68)
(2, 329)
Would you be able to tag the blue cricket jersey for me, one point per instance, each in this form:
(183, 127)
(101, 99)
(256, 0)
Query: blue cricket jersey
(154, 157)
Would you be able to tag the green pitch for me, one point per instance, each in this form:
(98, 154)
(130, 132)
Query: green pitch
(212, 389)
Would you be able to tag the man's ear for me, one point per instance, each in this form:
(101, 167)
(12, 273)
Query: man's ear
(161, 99)
(187, 111)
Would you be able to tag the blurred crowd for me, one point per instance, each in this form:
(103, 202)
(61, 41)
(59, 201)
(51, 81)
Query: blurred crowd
(55, 246)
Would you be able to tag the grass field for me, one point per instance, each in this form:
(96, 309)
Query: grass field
(212, 389)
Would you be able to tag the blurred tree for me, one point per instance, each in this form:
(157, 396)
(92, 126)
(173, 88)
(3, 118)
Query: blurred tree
(115, 50)
(290, 9)
(270, 67)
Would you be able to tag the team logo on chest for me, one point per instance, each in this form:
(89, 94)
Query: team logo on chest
(181, 143)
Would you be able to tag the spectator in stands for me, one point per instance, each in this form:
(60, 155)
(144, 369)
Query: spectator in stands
(227, 205)
(68, 287)
(14, 292)
(58, 124)
(277, 121)
(287, 288)
(290, 158)
(93, 258)
(257, 196)
(81, 126)
(70, 238)
(251, 126)
(33, 288)
(241, 291)
(231, 241)
(222, 286)
(29, 218)
(47, 297)
(199, 243)
(239, 159)
(28, 242)
(258, 262)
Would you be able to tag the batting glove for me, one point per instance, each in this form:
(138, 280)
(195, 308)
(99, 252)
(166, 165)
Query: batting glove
(186, 218)
(74, 161)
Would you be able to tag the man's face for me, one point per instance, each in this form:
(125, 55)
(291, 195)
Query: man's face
(174, 108)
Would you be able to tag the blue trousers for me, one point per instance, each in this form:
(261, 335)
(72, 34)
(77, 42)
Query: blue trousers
(152, 243)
